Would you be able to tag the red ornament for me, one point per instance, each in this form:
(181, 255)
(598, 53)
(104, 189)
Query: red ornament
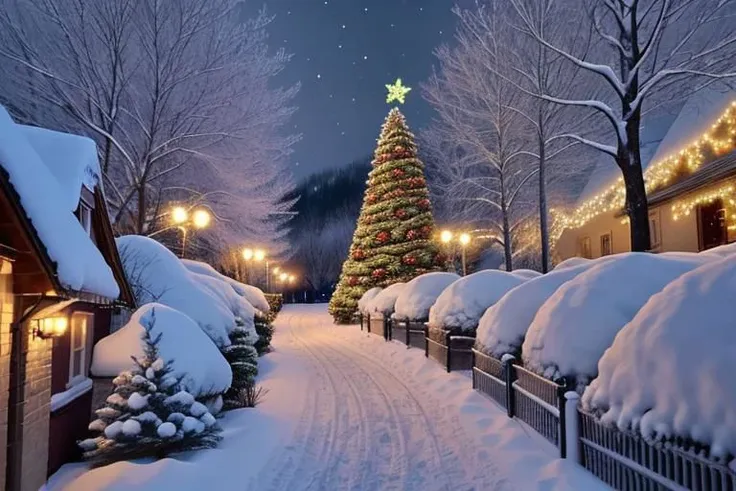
(423, 204)
(353, 281)
(398, 173)
(440, 259)
(410, 260)
(412, 234)
(358, 254)
(378, 273)
(425, 231)
(383, 236)
(401, 214)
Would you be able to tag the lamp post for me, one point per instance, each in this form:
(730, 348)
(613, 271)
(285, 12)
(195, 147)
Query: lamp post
(446, 237)
(199, 219)
(464, 240)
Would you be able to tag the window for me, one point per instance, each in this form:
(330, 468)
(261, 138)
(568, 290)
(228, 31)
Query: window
(85, 217)
(712, 224)
(606, 245)
(78, 347)
(585, 249)
(655, 229)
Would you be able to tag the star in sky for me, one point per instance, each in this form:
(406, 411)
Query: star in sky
(397, 92)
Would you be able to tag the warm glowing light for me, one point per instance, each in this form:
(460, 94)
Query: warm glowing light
(179, 215)
(247, 254)
(464, 239)
(201, 218)
(51, 327)
(292, 278)
(283, 276)
(397, 92)
(446, 236)
(259, 255)
(276, 270)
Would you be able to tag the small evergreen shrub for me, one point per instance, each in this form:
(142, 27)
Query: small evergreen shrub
(264, 329)
(148, 414)
(243, 359)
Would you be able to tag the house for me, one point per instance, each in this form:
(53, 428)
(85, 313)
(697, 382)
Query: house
(690, 172)
(61, 279)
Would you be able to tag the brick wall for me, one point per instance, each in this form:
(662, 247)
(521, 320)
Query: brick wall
(6, 317)
(37, 414)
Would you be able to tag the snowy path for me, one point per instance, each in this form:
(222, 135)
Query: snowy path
(347, 411)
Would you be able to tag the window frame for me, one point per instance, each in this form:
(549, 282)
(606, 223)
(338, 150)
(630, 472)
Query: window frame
(583, 241)
(609, 236)
(85, 319)
(655, 229)
(85, 217)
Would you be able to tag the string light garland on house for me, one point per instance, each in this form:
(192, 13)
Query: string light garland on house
(725, 192)
(719, 140)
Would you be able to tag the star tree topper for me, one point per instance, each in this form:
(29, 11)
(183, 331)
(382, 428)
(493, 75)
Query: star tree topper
(397, 92)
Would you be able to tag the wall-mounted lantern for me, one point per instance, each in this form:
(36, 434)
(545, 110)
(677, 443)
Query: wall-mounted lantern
(50, 327)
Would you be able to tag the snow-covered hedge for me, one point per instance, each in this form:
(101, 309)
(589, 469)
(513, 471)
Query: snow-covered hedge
(526, 274)
(572, 262)
(669, 372)
(574, 326)
(420, 293)
(238, 305)
(252, 294)
(384, 302)
(366, 298)
(463, 303)
(157, 275)
(503, 326)
(194, 356)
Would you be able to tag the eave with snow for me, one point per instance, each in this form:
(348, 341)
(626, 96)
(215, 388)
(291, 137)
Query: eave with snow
(689, 162)
(58, 259)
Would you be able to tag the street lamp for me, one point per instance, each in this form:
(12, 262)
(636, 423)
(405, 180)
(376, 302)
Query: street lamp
(180, 216)
(247, 254)
(464, 240)
(446, 236)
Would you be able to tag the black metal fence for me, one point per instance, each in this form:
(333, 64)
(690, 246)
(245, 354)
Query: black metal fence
(453, 351)
(380, 326)
(624, 460)
(410, 333)
(538, 402)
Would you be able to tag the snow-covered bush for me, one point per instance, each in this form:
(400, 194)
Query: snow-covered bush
(462, 304)
(252, 294)
(503, 326)
(264, 330)
(669, 372)
(149, 414)
(243, 359)
(526, 274)
(574, 326)
(157, 275)
(366, 298)
(384, 302)
(195, 361)
(419, 294)
(239, 306)
(572, 262)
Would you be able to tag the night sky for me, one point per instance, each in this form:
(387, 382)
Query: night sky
(345, 52)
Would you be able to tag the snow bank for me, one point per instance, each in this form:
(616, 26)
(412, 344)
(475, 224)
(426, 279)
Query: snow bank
(384, 302)
(669, 372)
(238, 305)
(199, 363)
(721, 251)
(252, 294)
(572, 262)
(574, 326)
(157, 275)
(420, 294)
(50, 208)
(366, 298)
(462, 304)
(503, 326)
(526, 274)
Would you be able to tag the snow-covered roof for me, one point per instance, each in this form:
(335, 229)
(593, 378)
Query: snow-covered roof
(196, 359)
(669, 372)
(418, 296)
(664, 134)
(47, 202)
(463, 303)
(574, 327)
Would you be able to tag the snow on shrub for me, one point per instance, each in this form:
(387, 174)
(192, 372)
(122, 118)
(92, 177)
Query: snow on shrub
(384, 302)
(669, 372)
(503, 326)
(238, 305)
(366, 298)
(463, 303)
(149, 414)
(252, 294)
(195, 360)
(574, 326)
(419, 294)
(572, 262)
(157, 275)
(526, 274)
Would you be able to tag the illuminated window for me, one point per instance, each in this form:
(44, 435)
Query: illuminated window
(585, 249)
(80, 325)
(606, 245)
(655, 230)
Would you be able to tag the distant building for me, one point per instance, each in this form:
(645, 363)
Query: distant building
(690, 168)
(61, 279)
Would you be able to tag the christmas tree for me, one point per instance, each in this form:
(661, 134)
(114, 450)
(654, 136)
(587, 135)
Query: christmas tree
(148, 414)
(393, 238)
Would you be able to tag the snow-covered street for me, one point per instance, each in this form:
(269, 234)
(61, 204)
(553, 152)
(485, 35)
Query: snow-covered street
(347, 411)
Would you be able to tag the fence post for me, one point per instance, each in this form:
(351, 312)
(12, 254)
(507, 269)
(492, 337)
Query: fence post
(368, 325)
(562, 390)
(387, 325)
(361, 320)
(426, 342)
(407, 334)
(472, 370)
(572, 426)
(448, 342)
(508, 371)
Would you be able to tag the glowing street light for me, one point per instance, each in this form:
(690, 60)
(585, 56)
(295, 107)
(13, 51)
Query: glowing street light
(283, 277)
(247, 254)
(201, 218)
(446, 236)
(464, 241)
(276, 271)
(292, 278)
(180, 217)
(259, 255)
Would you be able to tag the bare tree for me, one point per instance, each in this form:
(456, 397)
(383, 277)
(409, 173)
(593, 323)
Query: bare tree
(650, 49)
(177, 95)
